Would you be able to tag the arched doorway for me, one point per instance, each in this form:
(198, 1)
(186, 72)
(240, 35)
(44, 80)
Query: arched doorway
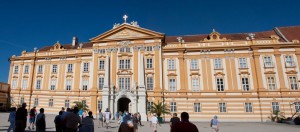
(123, 104)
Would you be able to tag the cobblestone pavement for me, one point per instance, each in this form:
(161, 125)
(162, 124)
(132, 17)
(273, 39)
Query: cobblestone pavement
(202, 126)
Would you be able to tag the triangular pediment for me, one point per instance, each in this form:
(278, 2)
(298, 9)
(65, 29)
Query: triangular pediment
(126, 32)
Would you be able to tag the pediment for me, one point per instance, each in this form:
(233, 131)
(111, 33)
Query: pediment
(126, 32)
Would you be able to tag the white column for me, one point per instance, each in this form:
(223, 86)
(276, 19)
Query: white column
(142, 91)
(106, 87)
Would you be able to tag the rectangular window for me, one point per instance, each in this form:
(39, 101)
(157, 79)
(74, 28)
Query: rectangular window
(275, 106)
(218, 63)
(99, 104)
(24, 84)
(125, 49)
(38, 84)
(173, 107)
(101, 83)
(149, 83)
(171, 64)
(271, 83)
(70, 67)
(197, 107)
(22, 100)
(53, 83)
(102, 51)
(149, 48)
(243, 62)
(124, 64)
(245, 84)
(85, 67)
(149, 106)
(68, 84)
(149, 63)
(220, 84)
(26, 70)
(83, 103)
(268, 61)
(289, 62)
(293, 83)
(50, 103)
(195, 84)
(36, 102)
(67, 103)
(172, 85)
(16, 69)
(248, 107)
(40, 69)
(101, 64)
(84, 85)
(222, 107)
(54, 68)
(297, 106)
(124, 83)
(194, 64)
(14, 83)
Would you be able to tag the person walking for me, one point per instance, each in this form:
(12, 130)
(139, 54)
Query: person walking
(41, 121)
(184, 125)
(72, 120)
(214, 124)
(140, 118)
(107, 117)
(154, 122)
(12, 119)
(32, 114)
(100, 118)
(87, 123)
(59, 122)
(174, 120)
(21, 118)
(135, 122)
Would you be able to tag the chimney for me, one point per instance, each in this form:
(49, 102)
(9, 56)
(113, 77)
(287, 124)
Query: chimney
(74, 41)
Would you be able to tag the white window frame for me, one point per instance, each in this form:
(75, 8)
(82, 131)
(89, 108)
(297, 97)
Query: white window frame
(243, 62)
(38, 84)
(149, 63)
(53, 84)
(101, 65)
(124, 64)
(100, 83)
(101, 51)
(271, 83)
(195, 84)
(24, 84)
(248, 107)
(173, 107)
(171, 64)
(220, 84)
(36, 102)
(50, 104)
(150, 83)
(14, 83)
(85, 83)
(289, 61)
(275, 106)
(172, 84)
(149, 105)
(297, 106)
(268, 62)
(22, 100)
(197, 107)
(222, 107)
(245, 84)
(26, 69)
(68, 84)
(124, 83)
(194, 64)
(40, 69)
(70, 68)
(149, 48)
(218, 63)
(293, 82)
(99, 104)
(16, 69)
(85, 67)
(54, 68)
(67, 103)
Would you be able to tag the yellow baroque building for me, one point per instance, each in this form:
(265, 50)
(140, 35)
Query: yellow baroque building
(239, 77)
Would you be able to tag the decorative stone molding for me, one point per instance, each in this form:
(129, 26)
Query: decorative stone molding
(124, 43)
(135, 48)
(244, 72)
(219, 73)
(291, 72)
(156, 47)
(270, 72)
(172, 74)
(214, 36)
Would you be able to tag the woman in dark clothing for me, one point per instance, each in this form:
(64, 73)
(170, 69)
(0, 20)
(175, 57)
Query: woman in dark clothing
(126, 127)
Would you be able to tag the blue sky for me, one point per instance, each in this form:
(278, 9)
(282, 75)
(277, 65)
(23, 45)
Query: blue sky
(25, 24)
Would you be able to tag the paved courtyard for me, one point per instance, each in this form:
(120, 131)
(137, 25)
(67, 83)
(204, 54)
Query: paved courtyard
(202, 126)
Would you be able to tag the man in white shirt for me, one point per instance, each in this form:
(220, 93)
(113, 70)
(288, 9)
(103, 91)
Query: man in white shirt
(107, 117)
(154, 122)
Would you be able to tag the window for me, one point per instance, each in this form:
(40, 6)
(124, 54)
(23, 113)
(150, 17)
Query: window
(289, 62)
(54, 68)
(124, 64)
(101, 64)
(243, 62)
(268, 61)
(40, 69)
(26, 70)
(99, 104)
(149, 83)
(101, 83)
(149, 106)
(70, 67)
(195, 84)
(218, 63)
(83, 102)
(271, 83)
(24, 84)
(102, 51)
(245, 84)
(197, 107)
(85, 67)
(125, 49)
(84, 85)
(297, 106)
(22, 100)
(16, 69)
(275, 106)
(149, 63)
(293, 83)
(38, 84)
(36, 102)
(68, 84)
(172, 85)
(248, 107)
(173, 106)
(220, 84)
(149, 48)
(222, 107)
(194, 64)
(50, 103)
(67, 103)
(14, 83)
(124, 83)
(171, 64)
(53, 83)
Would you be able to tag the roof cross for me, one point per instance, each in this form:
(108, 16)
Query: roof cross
(125, 17)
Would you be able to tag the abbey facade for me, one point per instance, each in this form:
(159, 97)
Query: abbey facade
(239, 77)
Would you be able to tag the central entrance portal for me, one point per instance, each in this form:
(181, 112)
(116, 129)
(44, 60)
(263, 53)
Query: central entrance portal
(123, 104)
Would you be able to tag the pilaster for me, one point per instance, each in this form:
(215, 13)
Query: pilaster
(182, 69)
(258, 70)
(279, 69)
(77, 75)
(157, 69)
(20, 78)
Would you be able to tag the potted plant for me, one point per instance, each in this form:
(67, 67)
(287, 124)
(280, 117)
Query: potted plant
(159, 109)
(277, 116)
(81, 106)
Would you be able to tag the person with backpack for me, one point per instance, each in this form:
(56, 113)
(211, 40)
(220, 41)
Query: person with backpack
(59, 122)
(41, 121)
(32, 115)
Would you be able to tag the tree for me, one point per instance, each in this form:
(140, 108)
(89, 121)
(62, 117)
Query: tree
(159, 109)
(81, 106)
